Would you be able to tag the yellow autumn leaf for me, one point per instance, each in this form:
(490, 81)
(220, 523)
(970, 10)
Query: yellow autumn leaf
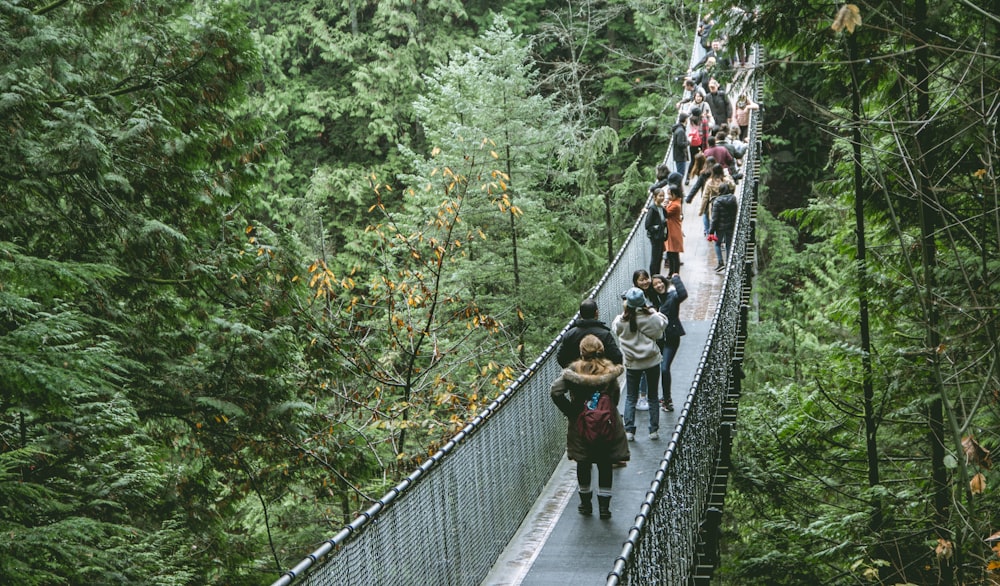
(979, 174)
(978, 484)
(944, 549)
(849, 17)
(494, 154)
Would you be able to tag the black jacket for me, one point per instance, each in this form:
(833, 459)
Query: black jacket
(570, 349)
(723, 214)
(681, 143)
(656, 223)
(722, 110)
(674, 178)
(671, 308)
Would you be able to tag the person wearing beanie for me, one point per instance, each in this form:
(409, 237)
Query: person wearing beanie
(665, 178)
(638, 328)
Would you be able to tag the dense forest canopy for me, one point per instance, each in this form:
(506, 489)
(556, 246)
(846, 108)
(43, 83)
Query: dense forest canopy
(865, 451)
(258, 259)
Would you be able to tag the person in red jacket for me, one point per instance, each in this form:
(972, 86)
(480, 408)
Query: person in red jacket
(722, 156)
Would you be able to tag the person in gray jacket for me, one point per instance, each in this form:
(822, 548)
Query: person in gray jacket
(638, 328)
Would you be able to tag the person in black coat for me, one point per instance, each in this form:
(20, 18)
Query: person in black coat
(680, 144)
(723, 223)
(665, 178)
(675, 294)
(718, 102)
(656, 231)
(586, 324)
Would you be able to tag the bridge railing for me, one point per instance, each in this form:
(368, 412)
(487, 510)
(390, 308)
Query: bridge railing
(449, 527)
(661, 545)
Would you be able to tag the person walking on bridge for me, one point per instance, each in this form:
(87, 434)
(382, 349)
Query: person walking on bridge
(675, 230)
(589, 375)
(587, 324)
(638, 328)
(656, 231)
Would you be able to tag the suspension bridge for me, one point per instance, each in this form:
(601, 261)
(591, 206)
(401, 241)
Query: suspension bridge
(490, 507)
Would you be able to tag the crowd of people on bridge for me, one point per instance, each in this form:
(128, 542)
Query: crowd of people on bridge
(708, 144)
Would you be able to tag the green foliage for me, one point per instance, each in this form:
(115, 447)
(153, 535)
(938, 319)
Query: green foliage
(76, 466)
(179, 396)
(804, 482)
(145, 331)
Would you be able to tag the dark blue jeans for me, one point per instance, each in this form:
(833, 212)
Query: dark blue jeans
(682, 167)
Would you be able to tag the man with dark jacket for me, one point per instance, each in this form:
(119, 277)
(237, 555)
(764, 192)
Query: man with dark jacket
(588, 323)
(680, 144)
(724, 210)
(718, 102)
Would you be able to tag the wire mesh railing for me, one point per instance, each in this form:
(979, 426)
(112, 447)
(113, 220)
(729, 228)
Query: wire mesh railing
(455, 522)
(661, 545)
(448, 527)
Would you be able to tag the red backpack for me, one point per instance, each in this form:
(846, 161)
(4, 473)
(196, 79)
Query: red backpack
(694, 135)
(598, 424)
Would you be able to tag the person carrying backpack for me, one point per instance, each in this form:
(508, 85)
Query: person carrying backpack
(698, 129)
(587, 393)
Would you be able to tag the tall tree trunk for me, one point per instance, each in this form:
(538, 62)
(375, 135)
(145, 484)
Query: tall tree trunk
(517, 268)
(607, 224)
(871, 428)
(929, 223)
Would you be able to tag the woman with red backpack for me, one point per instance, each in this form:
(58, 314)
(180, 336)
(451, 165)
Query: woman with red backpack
(587, 386)
(698, 129)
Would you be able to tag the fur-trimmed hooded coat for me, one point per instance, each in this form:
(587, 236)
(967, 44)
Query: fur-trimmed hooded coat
(570, 391)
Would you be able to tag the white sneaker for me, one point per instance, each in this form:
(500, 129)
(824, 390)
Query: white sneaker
(630, 436)
(642, 404)
(654, 436)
